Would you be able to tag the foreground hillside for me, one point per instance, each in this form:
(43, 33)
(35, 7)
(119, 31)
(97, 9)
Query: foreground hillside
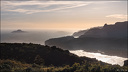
(22, 57)
(35, 53)
(109, 39)
(17, 66)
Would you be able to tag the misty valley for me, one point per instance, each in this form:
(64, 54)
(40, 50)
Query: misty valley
(98, 49)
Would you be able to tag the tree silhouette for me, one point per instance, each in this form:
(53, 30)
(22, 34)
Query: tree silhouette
(38, 60)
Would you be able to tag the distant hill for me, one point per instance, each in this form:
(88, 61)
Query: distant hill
(39, 54)
(79, 33)
(18, 31)
(110, 40)
(117, 30)
(82, 32)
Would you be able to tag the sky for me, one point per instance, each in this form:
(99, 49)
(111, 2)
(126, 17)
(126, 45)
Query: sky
(77, 15)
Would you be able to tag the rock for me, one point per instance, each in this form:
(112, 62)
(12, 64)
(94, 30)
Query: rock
(126, 63)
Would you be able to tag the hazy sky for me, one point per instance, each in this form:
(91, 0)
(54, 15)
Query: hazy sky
(61, 14)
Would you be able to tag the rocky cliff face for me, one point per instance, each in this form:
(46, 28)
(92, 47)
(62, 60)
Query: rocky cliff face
(111, 39)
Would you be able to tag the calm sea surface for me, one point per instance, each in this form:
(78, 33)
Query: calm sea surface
(33, 36)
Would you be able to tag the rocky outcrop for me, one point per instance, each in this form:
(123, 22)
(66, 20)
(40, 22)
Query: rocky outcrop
(126, 63)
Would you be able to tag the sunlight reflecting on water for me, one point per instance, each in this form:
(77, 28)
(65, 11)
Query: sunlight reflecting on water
(104, 58)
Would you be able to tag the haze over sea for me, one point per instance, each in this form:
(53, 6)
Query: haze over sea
(39, 36)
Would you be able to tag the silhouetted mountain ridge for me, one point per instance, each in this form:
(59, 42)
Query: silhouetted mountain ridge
(82, 32)
(79, 33)
(117, 30)
(110, 39)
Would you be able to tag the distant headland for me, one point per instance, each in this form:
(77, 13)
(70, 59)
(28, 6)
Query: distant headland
(18, 31)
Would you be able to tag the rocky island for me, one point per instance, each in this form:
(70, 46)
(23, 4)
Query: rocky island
(18, 31)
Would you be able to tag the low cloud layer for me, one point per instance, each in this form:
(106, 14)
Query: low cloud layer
(120, 16)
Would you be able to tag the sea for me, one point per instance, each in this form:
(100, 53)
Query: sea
(39, 36)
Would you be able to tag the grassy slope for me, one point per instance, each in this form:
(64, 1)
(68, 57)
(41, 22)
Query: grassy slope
(17, 57)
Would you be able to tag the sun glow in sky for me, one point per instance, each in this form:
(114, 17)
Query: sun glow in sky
(61, 14)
